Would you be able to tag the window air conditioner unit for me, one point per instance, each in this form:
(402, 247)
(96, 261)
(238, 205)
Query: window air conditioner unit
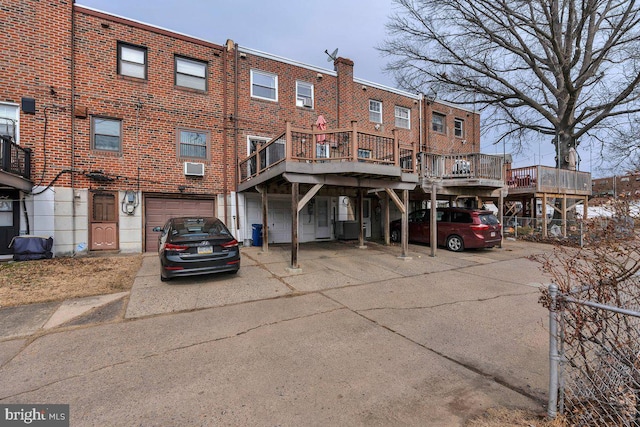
(193, 169)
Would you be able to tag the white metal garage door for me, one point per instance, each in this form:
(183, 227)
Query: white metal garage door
(159, 210)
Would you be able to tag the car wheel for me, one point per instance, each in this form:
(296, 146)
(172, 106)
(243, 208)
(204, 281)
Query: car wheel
(164, 279)
(455, 243)
(395, 235)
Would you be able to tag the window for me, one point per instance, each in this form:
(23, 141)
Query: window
(132, 61)
(304, 94)
(437, 123)
(264, 85)
(106, 134)
(191, 73)
(375, 111)
(403, 117)
(458, 128)
(193, 144)
(9, 119)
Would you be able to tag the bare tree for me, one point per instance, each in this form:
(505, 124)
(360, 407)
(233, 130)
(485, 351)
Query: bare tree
(565, 68)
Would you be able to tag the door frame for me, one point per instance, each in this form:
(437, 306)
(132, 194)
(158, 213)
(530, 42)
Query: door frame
(116, 219)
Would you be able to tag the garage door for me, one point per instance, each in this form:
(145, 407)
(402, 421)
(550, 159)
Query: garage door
(159, 210)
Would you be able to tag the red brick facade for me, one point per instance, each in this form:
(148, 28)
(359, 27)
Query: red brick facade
(66, 57)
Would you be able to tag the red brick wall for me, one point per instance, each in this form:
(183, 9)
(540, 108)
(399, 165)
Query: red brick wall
(149, 133)
(259, 117)
(36, 63)
(446, 142)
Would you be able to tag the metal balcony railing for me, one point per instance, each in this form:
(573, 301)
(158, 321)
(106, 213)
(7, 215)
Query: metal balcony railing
(14, 159)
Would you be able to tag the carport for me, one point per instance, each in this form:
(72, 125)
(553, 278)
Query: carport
(356, 163)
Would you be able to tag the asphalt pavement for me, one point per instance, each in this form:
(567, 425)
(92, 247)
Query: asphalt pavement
(356, 337)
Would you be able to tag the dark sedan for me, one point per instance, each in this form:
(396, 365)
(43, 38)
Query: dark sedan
(192, 246)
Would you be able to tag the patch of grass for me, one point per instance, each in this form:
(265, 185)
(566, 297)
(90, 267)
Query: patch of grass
(57, 279)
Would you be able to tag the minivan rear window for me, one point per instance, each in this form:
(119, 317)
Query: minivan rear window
(489, 219)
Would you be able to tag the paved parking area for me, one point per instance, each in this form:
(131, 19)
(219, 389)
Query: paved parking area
(358, 337)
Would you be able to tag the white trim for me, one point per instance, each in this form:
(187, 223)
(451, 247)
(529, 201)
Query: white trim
(286, 61)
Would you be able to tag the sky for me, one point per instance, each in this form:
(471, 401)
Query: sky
(302, 30)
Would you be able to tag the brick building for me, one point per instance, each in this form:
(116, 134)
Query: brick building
(619, 186)
(124, 124)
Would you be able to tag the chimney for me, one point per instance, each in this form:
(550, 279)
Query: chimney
(345, 92)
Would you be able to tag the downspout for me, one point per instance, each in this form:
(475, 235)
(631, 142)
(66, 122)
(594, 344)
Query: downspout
(73, 125)
(236, 96)
(421, 123)
(224, 135)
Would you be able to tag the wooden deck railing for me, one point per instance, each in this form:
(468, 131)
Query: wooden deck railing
(452, 166)
(323, 146)
(548, 180)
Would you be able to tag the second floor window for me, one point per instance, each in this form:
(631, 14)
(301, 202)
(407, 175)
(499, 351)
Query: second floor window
(191, 73)
(264, 85)
(437, 123)
(458, 128)
(403, 117)
(304, 94)
(106, 134)
(375, 111)
(132, 61)
(193, 144)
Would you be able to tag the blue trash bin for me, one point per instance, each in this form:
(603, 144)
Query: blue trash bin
(257, 234)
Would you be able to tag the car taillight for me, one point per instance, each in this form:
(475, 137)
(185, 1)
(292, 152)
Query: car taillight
(480, 227)
(231, 244)
(177, 248)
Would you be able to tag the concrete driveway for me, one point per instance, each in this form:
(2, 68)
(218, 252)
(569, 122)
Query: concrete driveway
(359, 337)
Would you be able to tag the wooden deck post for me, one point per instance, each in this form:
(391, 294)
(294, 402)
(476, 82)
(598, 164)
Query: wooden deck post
(405, 224)
(361, 217)
(544, 215)
(354, 141)
(387, 238)
(288, 141)
(294, 225)
(265, 218)
(396, 148)
(433, 229)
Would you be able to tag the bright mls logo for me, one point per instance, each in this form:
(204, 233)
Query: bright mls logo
(34, 415)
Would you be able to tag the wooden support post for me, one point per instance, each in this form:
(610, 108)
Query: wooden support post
(361, 217)
(564, 215)
(387, 237)
(405, 224)
(265, 221)
(501, 215)
(544, 215)
(294, 225)
(433, 229)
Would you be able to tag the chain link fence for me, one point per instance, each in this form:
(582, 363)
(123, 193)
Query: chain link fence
(595, 354)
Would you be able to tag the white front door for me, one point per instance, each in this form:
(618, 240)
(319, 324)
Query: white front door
(323, 218)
